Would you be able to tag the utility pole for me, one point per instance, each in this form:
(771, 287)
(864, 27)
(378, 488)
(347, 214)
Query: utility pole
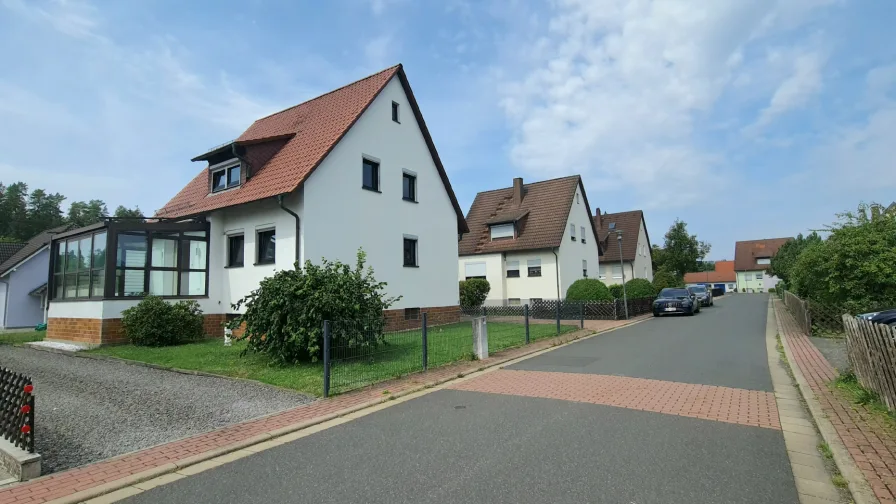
(622, 265)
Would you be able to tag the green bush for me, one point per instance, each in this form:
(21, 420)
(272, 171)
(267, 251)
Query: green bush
(588, 289)
(771, 290)
(616, 291)
(473, 292)
(663, 279)
(154, 322)
(284, 317)
(640, 288)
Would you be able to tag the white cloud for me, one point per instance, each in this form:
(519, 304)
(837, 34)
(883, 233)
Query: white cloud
(378, 50)
(71, 17)
(615, 90)
(804, 83)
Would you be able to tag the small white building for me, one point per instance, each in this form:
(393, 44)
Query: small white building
(353, 168)
(636, 259)
(752, 260)
(530, 241)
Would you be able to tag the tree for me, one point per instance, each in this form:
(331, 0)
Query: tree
(664, 278)
(124, 212)
(284, 316)
(84, 214)
(784, 260)
(473, 292)
(682, 252)
(14, 211)
(706, 266)
(640, 288)
(44, 211)
(588, 289)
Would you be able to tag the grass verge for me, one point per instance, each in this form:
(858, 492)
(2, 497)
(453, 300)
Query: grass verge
(848, 384)
(402, 354)
(17, 338)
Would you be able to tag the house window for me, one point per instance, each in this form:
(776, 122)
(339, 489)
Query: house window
(235, 247)
(582, 234)
(371, 176)
(534, 267)
(602, 272)
(474, 270)
(502, 231)
(535, 300)
(412, 313)
(748, 276)
(612, 225)
(79, 269)
(617, 271)
(513, 269)
(266, 247)
(395, 112)
(408, 187)
(410, 252)
(225, 178)
(572, 232)
(763, 260)
(731, 286)
(577, 198)
(585, 268)
(758, 276)
(513, 301)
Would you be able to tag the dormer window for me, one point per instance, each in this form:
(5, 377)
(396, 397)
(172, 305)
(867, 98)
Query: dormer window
(502, 231)
(225, 176)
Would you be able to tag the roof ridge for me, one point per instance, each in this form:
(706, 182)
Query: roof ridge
(287, 109)
(525, 184)
(765, 239)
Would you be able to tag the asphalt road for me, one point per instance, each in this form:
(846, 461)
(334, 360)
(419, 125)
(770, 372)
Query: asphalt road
(472, 447)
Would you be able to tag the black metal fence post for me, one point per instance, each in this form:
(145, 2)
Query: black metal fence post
(484, 311)
(581, 315)
(526, 323)
(326, 358)
(558, 315)
(425, 345)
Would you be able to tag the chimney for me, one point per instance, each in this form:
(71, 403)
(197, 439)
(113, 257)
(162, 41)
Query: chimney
(597, 215)
(517, 191)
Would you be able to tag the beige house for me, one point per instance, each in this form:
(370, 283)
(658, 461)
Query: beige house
(636, 260)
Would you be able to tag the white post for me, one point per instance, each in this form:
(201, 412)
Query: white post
(480, 338)
(228, 336)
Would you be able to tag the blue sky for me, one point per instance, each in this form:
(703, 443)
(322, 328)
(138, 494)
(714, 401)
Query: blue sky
(745, 119)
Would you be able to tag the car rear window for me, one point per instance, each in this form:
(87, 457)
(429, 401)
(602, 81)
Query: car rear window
(699, 288)
(671, 293)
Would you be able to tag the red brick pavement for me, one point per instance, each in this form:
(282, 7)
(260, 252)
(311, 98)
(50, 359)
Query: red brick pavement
(86, 477)
(871, 444)
(723, 404)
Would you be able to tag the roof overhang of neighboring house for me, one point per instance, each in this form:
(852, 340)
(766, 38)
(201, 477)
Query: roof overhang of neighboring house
(33, 247)
(40, 291)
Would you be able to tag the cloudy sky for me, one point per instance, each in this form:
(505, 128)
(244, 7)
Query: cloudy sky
(746, 119)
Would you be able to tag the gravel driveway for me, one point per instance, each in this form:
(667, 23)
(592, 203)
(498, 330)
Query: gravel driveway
(89, 410)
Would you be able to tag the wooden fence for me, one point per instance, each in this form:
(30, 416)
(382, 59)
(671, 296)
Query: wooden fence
(872, 354)
(800, 311)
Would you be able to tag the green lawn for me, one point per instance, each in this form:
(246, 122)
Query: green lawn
(17, 338)
(399, 356)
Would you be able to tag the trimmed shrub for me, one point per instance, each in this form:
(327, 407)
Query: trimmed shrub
(616, 291)
(154, 322)
(663, 279)
(473, 292)
(588, 289)
(640, 288)
(284, 316)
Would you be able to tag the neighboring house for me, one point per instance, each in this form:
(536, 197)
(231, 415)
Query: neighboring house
(353, 168)
(530, 241)
(752, 259)
(23, 281)
(636, 256)
(7, 249)
(723, 277)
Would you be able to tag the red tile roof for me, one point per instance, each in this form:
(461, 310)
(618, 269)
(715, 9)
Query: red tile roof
(746, 252)
(630, 225)
(542, 215)
(710, 277)
(307, 132)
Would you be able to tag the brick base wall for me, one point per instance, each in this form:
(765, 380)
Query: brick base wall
(436, 315)
(111, 332)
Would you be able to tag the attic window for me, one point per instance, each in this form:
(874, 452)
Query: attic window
(395, 113)
(225, 177)
(612, 225)
(763, 260)
(502, 231)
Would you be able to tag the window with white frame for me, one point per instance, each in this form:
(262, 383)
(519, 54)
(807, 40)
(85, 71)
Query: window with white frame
(534, 267)
(748, 276)
(582, 234)
(513, 301)
(513, 269)
(602, 271)
(502, 231)
(758, 276)
(474, 270)
(225, 176)
(572, 231)
(617, 271)
(764, 260)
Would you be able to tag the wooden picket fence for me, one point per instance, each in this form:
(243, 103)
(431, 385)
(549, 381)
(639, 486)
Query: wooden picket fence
(872, 354)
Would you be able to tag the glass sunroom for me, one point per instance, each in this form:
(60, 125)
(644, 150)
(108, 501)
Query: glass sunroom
(123, 258)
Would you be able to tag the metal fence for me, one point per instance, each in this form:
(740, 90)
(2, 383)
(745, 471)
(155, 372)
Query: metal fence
(17, 409)
(871, 349)
(814, 318)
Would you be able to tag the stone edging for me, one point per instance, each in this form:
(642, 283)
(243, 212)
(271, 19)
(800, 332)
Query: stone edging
(858, 486)
(155, 472)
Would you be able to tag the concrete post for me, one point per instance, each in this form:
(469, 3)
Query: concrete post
(480, 338)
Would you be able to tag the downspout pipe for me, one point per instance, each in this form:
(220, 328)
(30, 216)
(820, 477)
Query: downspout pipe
(280, 199)
(557, 271)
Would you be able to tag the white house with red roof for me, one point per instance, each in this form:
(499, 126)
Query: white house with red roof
(353, 168)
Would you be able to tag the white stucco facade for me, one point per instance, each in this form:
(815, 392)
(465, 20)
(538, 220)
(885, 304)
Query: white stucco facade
(572, 253)
(747, 281)
(641, 267)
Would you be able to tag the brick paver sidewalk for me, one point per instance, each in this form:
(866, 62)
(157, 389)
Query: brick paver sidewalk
(871, 444)
(709, 402)
(187, 451)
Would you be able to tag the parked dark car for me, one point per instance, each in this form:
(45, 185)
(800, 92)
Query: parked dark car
(675, 300)
(704, 295)
(886, 317)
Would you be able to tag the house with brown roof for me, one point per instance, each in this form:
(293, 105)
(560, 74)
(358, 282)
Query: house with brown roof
(723, 277)
(23, 280)
(752, 259)
(530, 241)
(353, 168)
(630, 258)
